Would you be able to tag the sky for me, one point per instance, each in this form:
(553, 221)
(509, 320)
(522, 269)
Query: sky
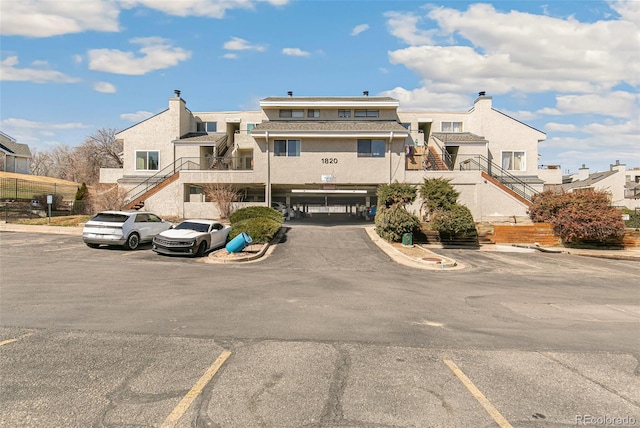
(570, 69)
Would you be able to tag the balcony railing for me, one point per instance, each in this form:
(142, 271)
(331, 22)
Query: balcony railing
(226, 163)
(481, 163)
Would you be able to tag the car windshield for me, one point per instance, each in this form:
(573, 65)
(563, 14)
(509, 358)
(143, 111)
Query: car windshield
(110, 217)
(198, 227)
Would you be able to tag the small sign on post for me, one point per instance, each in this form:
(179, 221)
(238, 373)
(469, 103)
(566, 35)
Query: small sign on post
(49, 203)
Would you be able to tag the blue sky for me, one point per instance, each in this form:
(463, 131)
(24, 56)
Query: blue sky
(570, 69)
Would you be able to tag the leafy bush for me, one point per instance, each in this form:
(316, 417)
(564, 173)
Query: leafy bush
(260, 229)
(255, 212)
(454, 221)
(393, 222)
(438, 193)
(581, 216)
(396, 193)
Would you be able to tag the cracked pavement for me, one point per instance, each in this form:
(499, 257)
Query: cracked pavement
(327, 332)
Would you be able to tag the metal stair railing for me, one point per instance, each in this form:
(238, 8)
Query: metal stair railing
(479, 162)
(160, 176)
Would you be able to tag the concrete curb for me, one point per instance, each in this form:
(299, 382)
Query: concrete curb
(29, 228)
(444, 264)
(265, 251)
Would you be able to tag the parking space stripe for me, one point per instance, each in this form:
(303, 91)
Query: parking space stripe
(187, 400)
(493, 412)
(8, 341)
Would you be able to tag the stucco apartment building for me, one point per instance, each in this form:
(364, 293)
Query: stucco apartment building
(621, 183)
(328, 155)
(14, 157)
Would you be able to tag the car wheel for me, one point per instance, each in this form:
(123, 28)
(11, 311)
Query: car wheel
(92, 245)
(133, 241)
(202, 249)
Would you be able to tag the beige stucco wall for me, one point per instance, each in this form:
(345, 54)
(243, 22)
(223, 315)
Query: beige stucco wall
(485, 200)
(505, 133)
(317, 155)
(110, 175)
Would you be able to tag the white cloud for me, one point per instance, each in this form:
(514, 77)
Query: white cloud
(156, 54)
(518, 51)
(15, 123)
(294, 52)
(359, 29)
(104, 87)
(423, 99)
(616, 104)
(230, 56)
(238, 44)
(404, 27)
(46, 18)
(560, 127)
(9, 72)
(206, 8)
(136, 117)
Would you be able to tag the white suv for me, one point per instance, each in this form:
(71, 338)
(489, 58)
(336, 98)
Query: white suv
(124, 228)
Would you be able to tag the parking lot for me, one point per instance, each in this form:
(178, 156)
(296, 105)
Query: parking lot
(326, 332)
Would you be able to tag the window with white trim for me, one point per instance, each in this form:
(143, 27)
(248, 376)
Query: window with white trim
(313, 113)
(206, 126)
(513, 161)
(291, 113)
(371, 148)
(366, 113)
(451, 127)
(147, 160)
(344, 113)
(289, 148)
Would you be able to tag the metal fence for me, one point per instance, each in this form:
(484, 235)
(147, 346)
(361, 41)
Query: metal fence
(15, 189)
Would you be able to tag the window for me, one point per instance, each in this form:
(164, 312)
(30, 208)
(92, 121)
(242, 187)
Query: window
(513, 161)
(291, 113)
(367, 113)
(344, 113)
(206, 126)
(147, 161)
(451, 126)
(313, 113)
(286, 148)
(407, 126)
(250, 126)
(371, 148)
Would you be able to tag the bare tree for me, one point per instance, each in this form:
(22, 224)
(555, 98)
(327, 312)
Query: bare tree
(106, 147)
(82, 163)
(40, 162)
(225, 195)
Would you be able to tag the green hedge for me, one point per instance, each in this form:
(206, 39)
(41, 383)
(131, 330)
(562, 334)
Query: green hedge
(254, 212)
(454, 221)
(393, 222)
(260, 229)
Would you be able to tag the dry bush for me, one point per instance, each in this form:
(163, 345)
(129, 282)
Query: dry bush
(579, 216)
(103, 197)
(225, 195)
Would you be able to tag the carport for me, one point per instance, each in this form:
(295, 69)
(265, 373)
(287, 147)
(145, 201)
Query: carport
(330, 203)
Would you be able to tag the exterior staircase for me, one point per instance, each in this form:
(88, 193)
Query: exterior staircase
(434, 161)
(138, 202)
(135, 198)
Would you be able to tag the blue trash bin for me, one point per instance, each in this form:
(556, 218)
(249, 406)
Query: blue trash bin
(238, 243)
